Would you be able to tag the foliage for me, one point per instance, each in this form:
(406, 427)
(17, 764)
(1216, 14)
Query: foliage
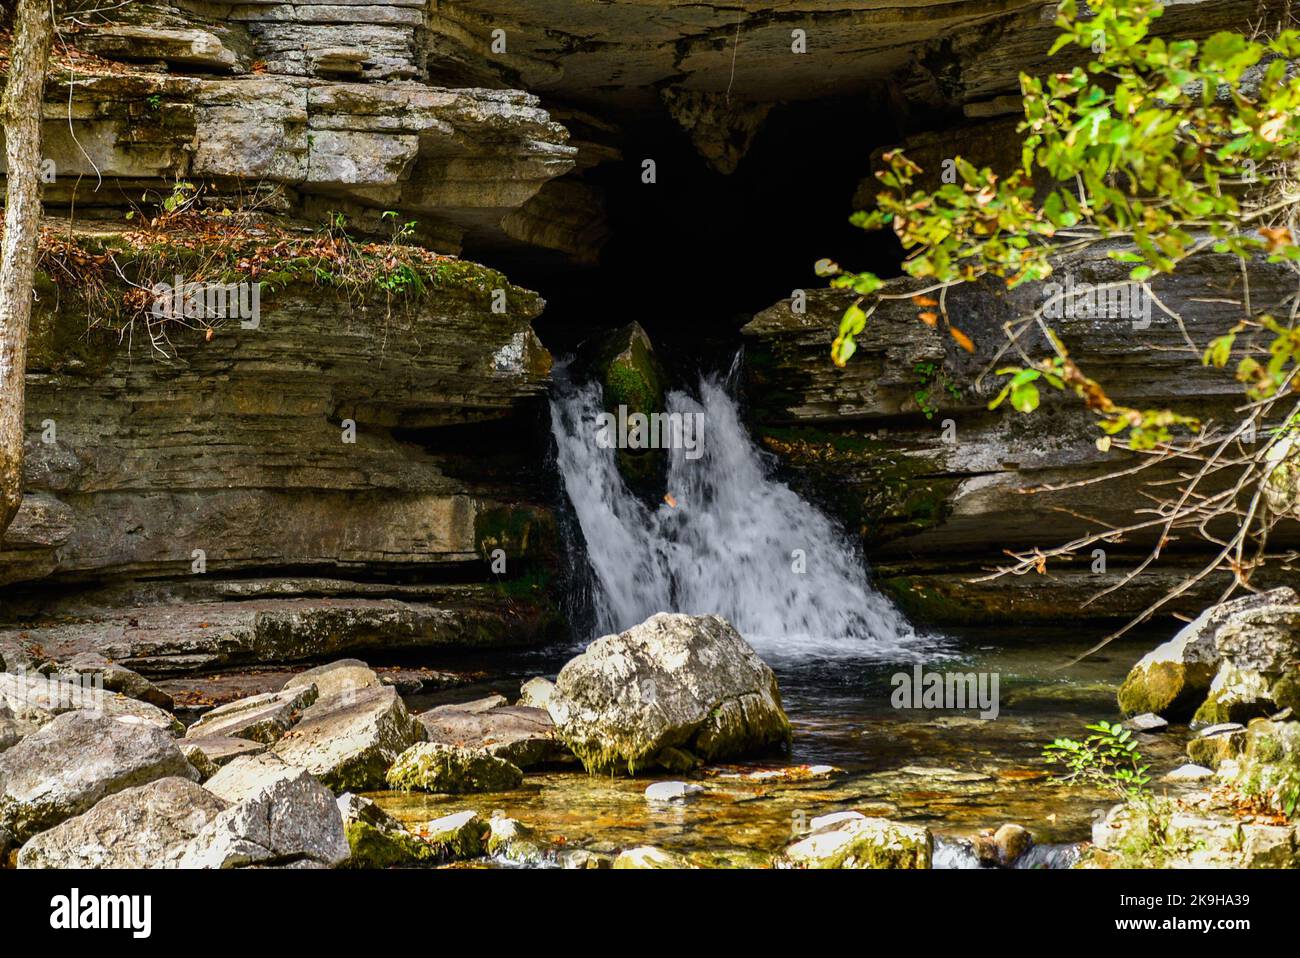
(1148, 142)
(1108, 758)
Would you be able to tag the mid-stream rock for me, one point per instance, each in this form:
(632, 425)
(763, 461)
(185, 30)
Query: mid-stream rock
(144, 827)
(674, 689)
(1172, 679)
(855, 841)
(447, 769)
(77, 759)
(350, 740)
(377, 839)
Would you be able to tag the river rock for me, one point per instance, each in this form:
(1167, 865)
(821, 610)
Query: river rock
(514, 841)
(38, 696)
(350, 740)
(451, 770)
(649, 857)
(66, 767)
(335, 678)
(209, 753)
(11, 730)
(377, 839)
(259, 718)
(1146, 722)
(1217, 744)
(459, 835)
(536, 693)
(673, 687)
(247, 776)
(855, 841)
(519, 734)
(116, 678)
(671, 791)
(1188, 773)
(1173, 678)
(293, 822)
(1235, 695)
(144, 827)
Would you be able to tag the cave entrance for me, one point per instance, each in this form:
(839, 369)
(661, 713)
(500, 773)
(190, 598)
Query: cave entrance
(692, 256)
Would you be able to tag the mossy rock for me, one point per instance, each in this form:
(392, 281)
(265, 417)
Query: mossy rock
(624, 363)
(1236, 695)
(1168, 688)
(450, 770)
(374, 847)
(861, 842)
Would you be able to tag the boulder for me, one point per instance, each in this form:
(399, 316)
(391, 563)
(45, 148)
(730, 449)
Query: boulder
(210, 753)
(79, 758)
(1265, 639)
(39, 697)
(856, 841)
(649, 857)
(1217, 744)
(1188, 773)
(144, 827)
(459, 835)
(11, 730)
(335, 678)
(1268, 764)
(519, 734)
(259, 718)
(1172, 679)
(294, 821)
(666, 692)
(536, 693)
(247, 776)
(450, 770)
(377, 839)
(1235, 695)
(632, 383)
(116, 678)
(516, 842)
(350, 740)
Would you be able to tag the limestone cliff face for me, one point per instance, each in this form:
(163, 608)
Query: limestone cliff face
(902, 443)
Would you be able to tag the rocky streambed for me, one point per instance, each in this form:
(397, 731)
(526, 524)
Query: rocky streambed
(348, 771)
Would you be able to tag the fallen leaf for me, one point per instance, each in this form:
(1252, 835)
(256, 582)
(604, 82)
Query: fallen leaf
(963, 340)
(930, 319)
(670, 500)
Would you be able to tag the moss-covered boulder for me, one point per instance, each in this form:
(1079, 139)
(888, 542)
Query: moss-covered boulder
(459, 835)
(1269, 765)
(666, 693)
(514, 841)
(378, 840)
(855, 841)
(451, 770)
(1236, 695)
(1216, 744)
(1173, 679)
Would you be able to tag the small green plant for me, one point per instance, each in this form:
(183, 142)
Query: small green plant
(402, 232)
(1108, 758)
(155, 101)
(931, 380)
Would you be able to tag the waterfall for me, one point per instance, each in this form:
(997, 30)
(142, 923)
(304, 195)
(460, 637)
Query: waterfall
(730, 543)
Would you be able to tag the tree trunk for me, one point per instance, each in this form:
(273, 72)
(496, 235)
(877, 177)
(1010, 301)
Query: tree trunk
(20, 110)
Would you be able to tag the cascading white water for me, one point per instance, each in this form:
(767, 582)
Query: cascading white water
(730, 545)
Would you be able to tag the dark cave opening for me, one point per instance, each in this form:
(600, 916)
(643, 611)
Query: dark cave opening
(694, 255)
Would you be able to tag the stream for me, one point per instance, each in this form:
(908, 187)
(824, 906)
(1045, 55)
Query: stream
(727, 544)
